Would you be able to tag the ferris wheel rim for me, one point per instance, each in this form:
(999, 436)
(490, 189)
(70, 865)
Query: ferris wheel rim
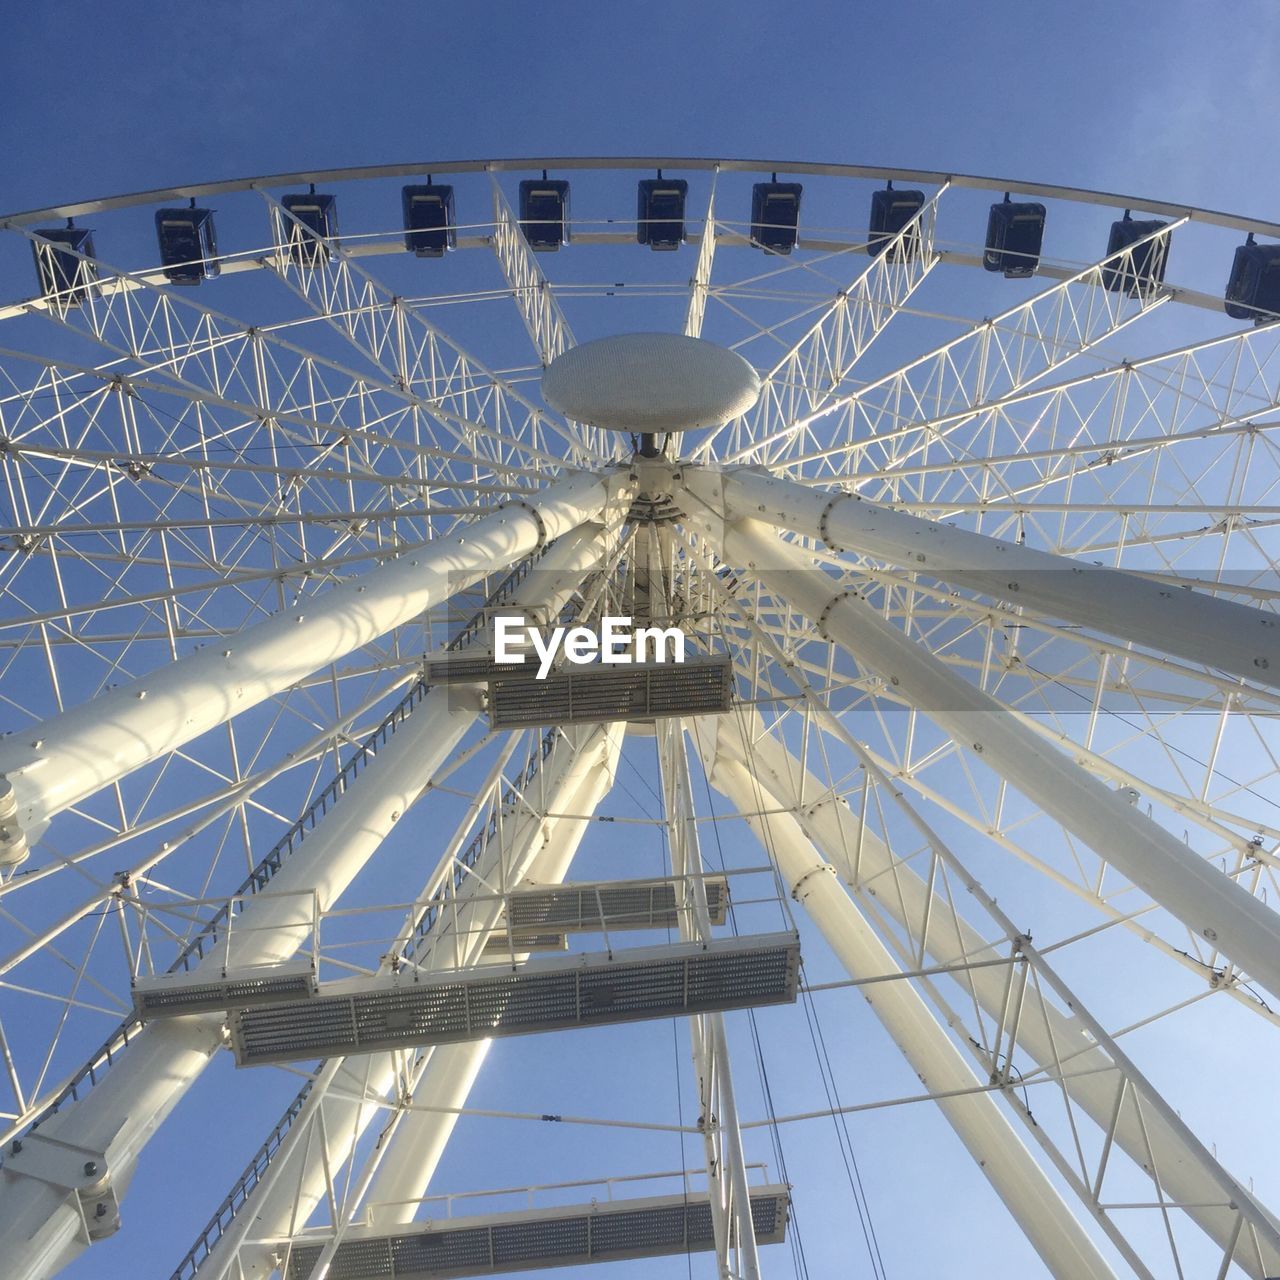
(933, 177)
(770, 625)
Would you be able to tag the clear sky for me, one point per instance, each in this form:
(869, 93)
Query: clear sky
(1176, 100)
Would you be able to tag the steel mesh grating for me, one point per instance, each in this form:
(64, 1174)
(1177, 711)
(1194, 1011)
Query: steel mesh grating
(166, 997)
(626, 905)
(611, 1231)
(544, 994)
(601, 694)
(463, 668)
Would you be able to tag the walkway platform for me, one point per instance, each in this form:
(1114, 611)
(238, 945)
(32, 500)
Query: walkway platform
(546, 993)
(595, 694)
(610, 1231)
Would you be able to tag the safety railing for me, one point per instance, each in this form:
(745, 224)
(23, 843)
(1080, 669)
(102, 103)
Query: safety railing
(266, 869)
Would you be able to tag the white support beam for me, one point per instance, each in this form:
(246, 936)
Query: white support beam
(40, 1228)
(1053, 1231)
(989, 362)
(1208, 902)
(1072, 1047)
(410, 1164)
(92, 745)
(722, 1138)
(1188, 624)
(700, 281)
(533, 846)
(538, 307)
(813, 371)
(350, 1094)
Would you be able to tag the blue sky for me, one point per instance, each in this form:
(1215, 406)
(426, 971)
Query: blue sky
(1173, 100)
(1170, 98)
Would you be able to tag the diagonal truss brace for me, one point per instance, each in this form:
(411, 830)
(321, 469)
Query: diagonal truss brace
(700, 281)
(534, 299)
(166, 333)
(407, 347)
(1198, 894)
(942, 390)
(814, 369)
(1188, 624)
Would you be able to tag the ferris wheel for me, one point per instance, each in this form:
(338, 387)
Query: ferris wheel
(960, 495)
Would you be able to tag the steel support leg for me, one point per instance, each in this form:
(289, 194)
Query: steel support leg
(1208, 902)
(578, 773)
(411, 1162)
(92, 745)
(1147, 1132)
(1046, 1220)
(40, 1227)
(1188, 624)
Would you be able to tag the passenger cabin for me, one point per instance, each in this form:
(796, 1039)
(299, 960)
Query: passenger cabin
(1015, 232)
(660, 212)
(63, 275)
(544, 213)
(1143, 270)
(1253, 291)
(775, 215)
(188, 245)
(891, 211)
(429, 225)
(308, 244)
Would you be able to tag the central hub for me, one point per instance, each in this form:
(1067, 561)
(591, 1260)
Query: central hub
(650, 385)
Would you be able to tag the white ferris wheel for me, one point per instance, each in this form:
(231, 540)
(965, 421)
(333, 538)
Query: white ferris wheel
(960, 819)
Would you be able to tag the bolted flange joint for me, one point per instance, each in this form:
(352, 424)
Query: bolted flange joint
(13, 840)
(82, 1173)
(822, 524)
(821, 621)
(543, 539)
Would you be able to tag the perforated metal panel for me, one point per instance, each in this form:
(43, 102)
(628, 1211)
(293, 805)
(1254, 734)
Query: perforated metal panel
(608, 1232)
(545, 994)
(502, 943)
(600, 694)
(171, 995)
(625, 904)
(464, 668)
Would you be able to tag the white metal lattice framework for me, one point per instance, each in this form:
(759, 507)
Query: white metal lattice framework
(992, 561)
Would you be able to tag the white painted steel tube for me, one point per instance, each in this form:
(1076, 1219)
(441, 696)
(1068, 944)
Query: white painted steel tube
(1048, 1223)
(1192, 890)
(410, 1164)
(92, 745)
(1090, 1076)
(534, 847)
(39, 1225)
(1187, 624)
(287, 1198)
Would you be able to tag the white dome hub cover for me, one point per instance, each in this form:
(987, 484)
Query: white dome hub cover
(650, 382)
